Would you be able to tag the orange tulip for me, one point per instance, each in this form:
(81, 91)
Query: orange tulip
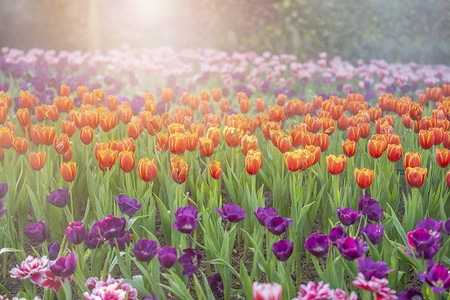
(281, 99)
(365, 130)
(61, 143)
(52, 113)
(412, 160)
(349, 148)
(111, 103)
(394, 152)
(308, 138)
(415, 111)
(194, 102)
(244, 106)
(86, 135)
(260, 106)
(27, 100)
(253, 161)
(215, 169)
(376, 148)
(364, 177)
(317, 102)
(147, 169)
(284, 142)
(293, 160)
(336, 112)
(64, 91)
(313, 124)
(446, 140)
(106, 158)
(166, 94)
(93, 118)
(191, 141)
(442, 157)
(426, 139)
(177, 143)
(68, 127)
(353, 133)
(179, 169)
(224, 105)
(328, 126)
(125, 114)
(394, 139)
(133, 130)
(342, 123)
(204, 107)
(126, 161)
(99, 96)
(206, 146)
(335, 164)
(4, 114)
(20, 145)
(322, 141)
(296, 136)
(438, 133)
(310, 156)
(37, 160)
(108, 121)
(249, 143)
(415, 176)
(81, 89)
(447, 178)
(214, 134)
(88, 98)
(67, 156)
(232, 136)
(217, 94)
(163, 140)
(23, 117)
(6, 138)
(68, 171)
(276, 113)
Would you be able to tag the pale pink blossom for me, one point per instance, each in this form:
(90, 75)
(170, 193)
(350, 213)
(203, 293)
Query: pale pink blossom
(111, 289)
(267, 291)
(311, 291)
(376, 285)
(31, 268)
(51, 281)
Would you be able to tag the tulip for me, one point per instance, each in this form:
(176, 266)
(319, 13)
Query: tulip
(373, 232)
(37, 160)
(166, 94)
(186, 219)
(354, 133)
(20, 145)
(86, 135)
(415, 176)
(53, 250)
(253, 161)
(6, 138)
(447, 178)
(3, 189)
(167, 256)
(335, 164)
(364, 177)
(108, 121)
(415, 111)
(351, 248)
(317, 244)
(231, 212)
(283, 249)
(337, 234)
(437, 277)
(111, 227)
(376, 148)
(147, 169)
(194, 102)
(394, 152)
(293, 161)
(370, 208)
(177, 143)
(126, 161)
(64, 266)
(443, 157)
(27, 100)
(106, 158)
(284, 143)
(371, 269)
(342, 123)
(260, 106)
(23, 117)
(347, 216)
(179, 169)
(249, 143)
(61, 143)
(127, 205)
(214, 134)
(191, 141)
(93, 239)
(277, 225)
(145, 250)
(276, 113)
(412, 160)
(262, 213)
(244, 106)
(421, 239)
(349, 148)
(75, 233)
(224, 105)
(431, 225)
(267, 291)
(59, 198)
(206, 146)
(36, 232)
(68, 171)
(190, 260)
(215, 282)
(426, 139)
(215, 169)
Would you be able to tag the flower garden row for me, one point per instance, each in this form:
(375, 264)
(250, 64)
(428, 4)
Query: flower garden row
(197, 192)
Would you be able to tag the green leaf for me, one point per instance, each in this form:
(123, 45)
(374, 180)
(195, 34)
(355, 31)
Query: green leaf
(166, 225)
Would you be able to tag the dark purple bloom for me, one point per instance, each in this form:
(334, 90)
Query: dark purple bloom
(411, 294)
(76, 232)
(337, 234)
(64, 266)
(231, 212)
(263, 212)
(283, 249)
(317, 244)
(371, 269)
(2, 210)
(111, 227)
(348, 216)
(373, 232)
(427, 254)
(167, 256)
(216, 284)
(93, 239)
(59, 198)
(421, 239)
(122, 240)
(277, 225)
(431, 225)
(190, 260)
(3, 189)
(446, 228)
(370, 208)
(127, 205)
(36, 232)
(438, 277)
(53, 250)
(352, 248)
(145, 250)
(186, 219)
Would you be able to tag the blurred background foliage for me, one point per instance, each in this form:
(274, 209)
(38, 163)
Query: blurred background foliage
(394, 30)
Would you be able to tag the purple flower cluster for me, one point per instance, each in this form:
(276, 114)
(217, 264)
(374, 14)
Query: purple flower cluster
(425, 238)
(370, 208)
(267, 216)
(186, 219)
(437, 277)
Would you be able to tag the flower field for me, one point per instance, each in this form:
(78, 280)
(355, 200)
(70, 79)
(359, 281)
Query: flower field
(198, 174)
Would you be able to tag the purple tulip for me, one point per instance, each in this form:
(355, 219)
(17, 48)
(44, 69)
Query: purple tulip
(277, 225)
(64, 266)
(317, 244)
(371, 269)
(427, 254)
(438, 277)
(431, 225)
(446, 228)
(145, 250)
(2, 210)
(231, 212)
(122, 240)
(411, 294)
(3, 189)
(348, 216)
(59, 198)
(186, 219)
(76, 232)
(93, 239)
(216, 284)
(167, 256)
(53, 250)
(421, 239)
(373, 232)
(370, 208)
(111, 227)
(283, 249)
(263, 212)
(127, 205)
(337, 234)
(352, 248)
(36, 232)
(190, 260)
